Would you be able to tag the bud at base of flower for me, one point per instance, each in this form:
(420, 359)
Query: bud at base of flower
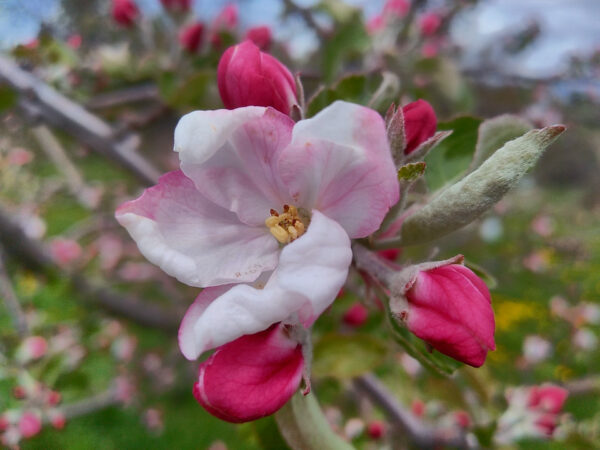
(447, 306)
(261, 36)
(190, 37)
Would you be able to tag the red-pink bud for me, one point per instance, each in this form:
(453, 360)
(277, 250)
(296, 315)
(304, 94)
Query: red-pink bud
(29, 424)
(356, 315)
(65, 251)
(419, 124)
(251, 377)
(57, 419)
(227, 19)
(390, 254)
(418, 408)
(396, 8)
(4, 422)
(375, 24)
(53, 398)
(248, 77)
(74, 41)
(190, 37)
(376, 429)
(449, 307)
(429, 23)
(547, 398)
(462, 418)
(124, 12)
(261, 36)
(33, 347)
(176, 5)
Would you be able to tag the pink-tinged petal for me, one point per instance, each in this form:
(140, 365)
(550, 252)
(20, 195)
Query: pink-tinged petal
(339, 162)
(194, 240)
(187, 342)
(231, 155)
(309, 275)
(450, 308)
(251, 377)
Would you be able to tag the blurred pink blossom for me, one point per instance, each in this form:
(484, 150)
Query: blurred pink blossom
(65, 251)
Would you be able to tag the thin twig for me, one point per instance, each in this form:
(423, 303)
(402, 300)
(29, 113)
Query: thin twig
(52, 147)
(307, 16)
(11, 301)
(91, 404)
(420, 434)
(34, 255)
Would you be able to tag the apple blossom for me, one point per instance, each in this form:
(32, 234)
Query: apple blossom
(261, 214)
(448, 306)
(532, 412)
(227, 18)
(261, 36)
(124, 12)
(30, 424)
(190, 37)
(248, 77)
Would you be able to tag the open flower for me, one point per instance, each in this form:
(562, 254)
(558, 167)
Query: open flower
(261, 214)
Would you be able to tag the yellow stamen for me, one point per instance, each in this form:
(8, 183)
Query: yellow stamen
(287, 226)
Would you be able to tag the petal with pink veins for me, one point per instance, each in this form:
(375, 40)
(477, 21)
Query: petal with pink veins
(251, 377)
(339, 162)
(309, 275)
(231, 155)
(194, 240)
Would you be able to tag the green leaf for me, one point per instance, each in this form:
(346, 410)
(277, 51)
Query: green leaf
(463, 202)
(347, 356)
(451, 157)
(494, 133)
(436, 362)
(355, 88)
(8, 97)
(349, 41)
(191, 93)
(411, 172)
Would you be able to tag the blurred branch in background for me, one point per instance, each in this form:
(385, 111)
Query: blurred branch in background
(32, 253)
(10, 299)
(41, 102)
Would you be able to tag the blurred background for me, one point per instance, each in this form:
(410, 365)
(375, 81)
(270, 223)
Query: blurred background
(88, 104)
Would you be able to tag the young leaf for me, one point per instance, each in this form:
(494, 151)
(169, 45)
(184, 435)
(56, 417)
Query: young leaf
(493, 133)
(466, 200)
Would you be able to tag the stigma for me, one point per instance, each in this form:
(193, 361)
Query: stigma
(287, 226)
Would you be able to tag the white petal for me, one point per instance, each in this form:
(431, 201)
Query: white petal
(339, 162)
(194, 240)
(231, 155)
(310, 273)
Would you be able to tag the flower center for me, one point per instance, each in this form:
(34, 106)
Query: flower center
(287, 226)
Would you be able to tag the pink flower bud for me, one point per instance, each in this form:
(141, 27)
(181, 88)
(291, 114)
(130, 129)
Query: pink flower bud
(390, 254)
(33, 347)
(449, 307)
(396, 8)
(57, 419)
(190, 37)
(376, 429)
(547, 398)
(462, 419)
(251, 377)
(4, 422)
(74, 41)
(227, 19)
(418, 408)
(375, 24)
(429, 23)
(53, 398)
(261, 36)
(419, 124)
(19, 157)
(356, 315)
(248, 77)
(64, 251)
(176, 5)
(29, 424)
(124, 12)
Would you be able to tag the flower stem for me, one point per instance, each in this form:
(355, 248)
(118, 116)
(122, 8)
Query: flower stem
(304, 427)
